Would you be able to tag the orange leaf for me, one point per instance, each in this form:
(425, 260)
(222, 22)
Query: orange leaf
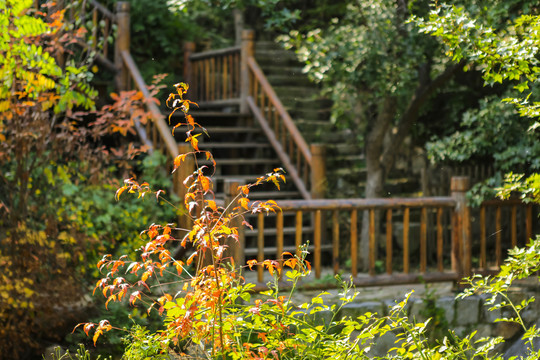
(205, 183)
(194, 143)
(145, 275)
(112, 297)
(119, 192)
(178, 160)
(251, 263)
(244, 202)
(211, 204)
(191, 258)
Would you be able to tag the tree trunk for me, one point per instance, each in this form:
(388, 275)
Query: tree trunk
(379, 158)
(376, 171)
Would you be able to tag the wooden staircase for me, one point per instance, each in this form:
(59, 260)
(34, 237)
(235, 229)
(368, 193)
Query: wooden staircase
(241, 151)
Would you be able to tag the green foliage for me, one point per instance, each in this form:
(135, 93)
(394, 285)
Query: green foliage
(527, 187)
(29, 70)
(366, 54)
(503, 44)
(80, 354)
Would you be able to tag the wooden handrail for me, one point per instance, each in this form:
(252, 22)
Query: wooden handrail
(365, 204)
(106, 12)
(285, 160)
(215, 53)
(158, 118)
(287, 120)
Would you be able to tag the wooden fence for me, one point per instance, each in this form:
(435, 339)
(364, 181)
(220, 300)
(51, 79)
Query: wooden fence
(448, 241)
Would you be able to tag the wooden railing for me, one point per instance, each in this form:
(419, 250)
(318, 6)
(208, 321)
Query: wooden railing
(102, 21)
(425, 239)
(279, 128)
(232, 76)
(213, 76)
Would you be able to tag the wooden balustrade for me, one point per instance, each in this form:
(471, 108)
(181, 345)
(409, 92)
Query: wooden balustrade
(279, 128)
(494, 230)
(214, 76)
(102, 21)
(331, 241)
(440, 248)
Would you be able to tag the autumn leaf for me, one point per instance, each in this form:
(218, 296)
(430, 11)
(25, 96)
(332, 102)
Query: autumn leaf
(211, 204)
(119, 192)
(244, 202)
(251, 263)
(134, 297)
(205, 183)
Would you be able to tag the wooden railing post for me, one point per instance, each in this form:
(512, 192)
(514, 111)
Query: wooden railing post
(238, 16)
(121, 44)
(189, 48)
(461, 228)
(318, 171)
(247, 51)
(235, 248)
(187, 167)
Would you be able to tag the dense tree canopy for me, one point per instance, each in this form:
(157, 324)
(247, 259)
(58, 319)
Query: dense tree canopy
(506, 52)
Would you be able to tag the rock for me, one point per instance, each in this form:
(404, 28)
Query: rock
(447, 303)
(383, 344)
(467, 311)
(355, 310)
(507, 330)
(54, 352)
(520, 348)
(490, 316)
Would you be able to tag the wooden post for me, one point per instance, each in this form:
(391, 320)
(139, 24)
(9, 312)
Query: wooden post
(318, 191)
(238, 16)
(247, 51)
(187, 167)
(235, 248)
(318, 171)
(121, 44)
(461, 229)
(189, 49)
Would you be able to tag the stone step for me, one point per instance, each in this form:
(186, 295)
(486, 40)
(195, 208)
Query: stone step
(288, 79)
(279, 70)
(276, 56)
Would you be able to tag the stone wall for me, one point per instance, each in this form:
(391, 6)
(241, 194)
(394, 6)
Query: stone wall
(462, 316)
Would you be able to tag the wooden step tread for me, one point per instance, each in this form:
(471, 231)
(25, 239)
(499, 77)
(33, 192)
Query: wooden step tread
(231, 129)
(227, 145)
(245, 178)
(291, 249)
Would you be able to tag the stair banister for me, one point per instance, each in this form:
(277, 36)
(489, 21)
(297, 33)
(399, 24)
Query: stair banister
(158, 118)
(246, 53)
(121, 44)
